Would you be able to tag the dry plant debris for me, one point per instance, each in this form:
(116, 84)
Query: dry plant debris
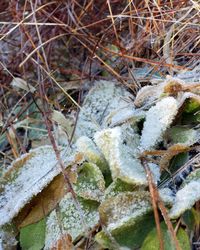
(99, 124)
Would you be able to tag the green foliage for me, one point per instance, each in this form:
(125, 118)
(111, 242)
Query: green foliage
(32, 237)
(152, 241)
(90, 182)
(106, 173)
(191, 106)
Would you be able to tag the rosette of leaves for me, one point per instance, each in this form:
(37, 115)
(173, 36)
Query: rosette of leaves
(108, 203)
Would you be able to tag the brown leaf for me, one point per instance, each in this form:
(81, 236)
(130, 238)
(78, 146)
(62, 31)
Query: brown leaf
(43, 203)
(170, 153)
(64, 243)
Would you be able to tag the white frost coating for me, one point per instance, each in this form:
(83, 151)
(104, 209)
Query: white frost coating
(90, 183)
(167, 196)
(87, 147)
(69, 217)
(125, 208)
(53, 230)
(148, 95)
(29, 179)
(104, 97)
(185, 199)
(123, 115)
(7, 238)
(158, 119)
(119, 145)
(155, 170)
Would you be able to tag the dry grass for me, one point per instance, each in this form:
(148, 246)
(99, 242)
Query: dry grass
(59, 46)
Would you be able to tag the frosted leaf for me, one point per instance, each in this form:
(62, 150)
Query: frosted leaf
(155, 170)
(68, 219)
(103, 98)
(124, 208)
(27, 177)
(125, 218)
(90, 183)
(187, 196)
(119, 186)
(167, 196)
(119, 146)
(87, 147)
(188, 95)
(7, 237)
(190, 76)
(122, 115)
(184, 135)
(158, 119)
(151, 242)
(147, 95)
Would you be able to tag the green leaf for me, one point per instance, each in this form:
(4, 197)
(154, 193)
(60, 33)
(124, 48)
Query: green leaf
(119, 186)
(152, 241)
(189, 219)
(191, 106)
(127, 217)
(70, 218)
(87, 147)
(32, 237)
(90, 182)
(175, 164)
(180, 134)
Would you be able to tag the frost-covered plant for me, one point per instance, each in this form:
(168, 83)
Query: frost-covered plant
(106, 173)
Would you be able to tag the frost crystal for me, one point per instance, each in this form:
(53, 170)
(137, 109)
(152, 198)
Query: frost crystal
(90, 182)
(124, 209)
(185, 199)
(70, 221)
(27, 177)
(119, 145)
(167, 196)
(148, 95)
(158, 119)
(87, 147)
(122, 115)
(103, 98)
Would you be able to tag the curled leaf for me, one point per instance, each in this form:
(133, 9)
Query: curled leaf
(158, 119)
(43, 203)
(87, 147)
(119, 145)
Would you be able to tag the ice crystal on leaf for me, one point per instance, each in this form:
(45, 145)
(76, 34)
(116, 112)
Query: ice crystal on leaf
(123, 115)
(103, 98)
(87, 147)
(27, 177)
(187, 195)
(123, 208)
(90, 183)
(158, 119)
(67, 219)
(119, 145)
